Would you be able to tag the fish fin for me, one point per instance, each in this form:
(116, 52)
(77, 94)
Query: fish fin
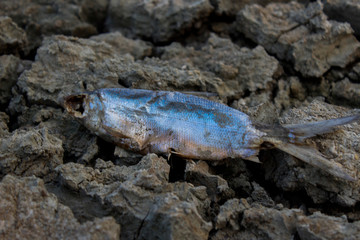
(253, 159)
(306, 130)
(200, 94)
(290, 139)
(168, 156)
(314, 158)
(172, 151)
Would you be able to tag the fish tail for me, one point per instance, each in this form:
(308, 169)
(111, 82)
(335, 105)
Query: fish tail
(315, 158)
(306, 130)
(290, 139)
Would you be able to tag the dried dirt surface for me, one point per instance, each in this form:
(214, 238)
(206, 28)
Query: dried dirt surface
(280, 62)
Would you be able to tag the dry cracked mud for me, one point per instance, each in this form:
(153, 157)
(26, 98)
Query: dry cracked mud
(280, 62)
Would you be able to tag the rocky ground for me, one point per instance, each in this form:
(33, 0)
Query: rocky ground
(278, 61)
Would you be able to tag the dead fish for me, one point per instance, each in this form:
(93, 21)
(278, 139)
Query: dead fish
(192, 127)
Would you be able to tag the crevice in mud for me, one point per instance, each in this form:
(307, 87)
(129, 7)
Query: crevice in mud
(142, 224)
(231, 99)
(312, 86)
(343, 71)
(298, 199)
(228, 171)
(68, 157)
(274, 93)
(287, 66)
(341, 102)
(13, 123)
(357, 36)
(215, 18)
(13, 118)
(352, 213)
(3, 107)
(214, 210)
(177, 168)
(84, 207)
(184, 37)
(198, 35)
(102, 26)
(105, 152)
(241, 40)
(30, 55)
(294, 199)
(212, 233)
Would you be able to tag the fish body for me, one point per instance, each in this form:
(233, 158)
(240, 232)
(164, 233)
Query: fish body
(161, 122)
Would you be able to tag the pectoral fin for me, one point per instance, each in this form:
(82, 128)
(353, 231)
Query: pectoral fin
(172, 151)
(253, 159)
(315, 158)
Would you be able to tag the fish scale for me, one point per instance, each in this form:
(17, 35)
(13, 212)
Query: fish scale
(165, 122)
(196, 125)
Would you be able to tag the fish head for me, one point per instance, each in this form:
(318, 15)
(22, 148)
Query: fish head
(86, 108)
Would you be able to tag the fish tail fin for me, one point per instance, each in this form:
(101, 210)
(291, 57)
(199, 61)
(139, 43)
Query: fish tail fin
(290, 139)
(306, 130)
(315, 158)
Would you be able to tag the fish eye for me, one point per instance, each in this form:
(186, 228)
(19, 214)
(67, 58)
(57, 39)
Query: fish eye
(75, 104)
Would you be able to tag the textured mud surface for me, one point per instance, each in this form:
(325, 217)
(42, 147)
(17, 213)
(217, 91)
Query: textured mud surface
(278, 61)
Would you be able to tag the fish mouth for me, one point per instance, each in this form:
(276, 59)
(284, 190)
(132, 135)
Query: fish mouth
(76, 105)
